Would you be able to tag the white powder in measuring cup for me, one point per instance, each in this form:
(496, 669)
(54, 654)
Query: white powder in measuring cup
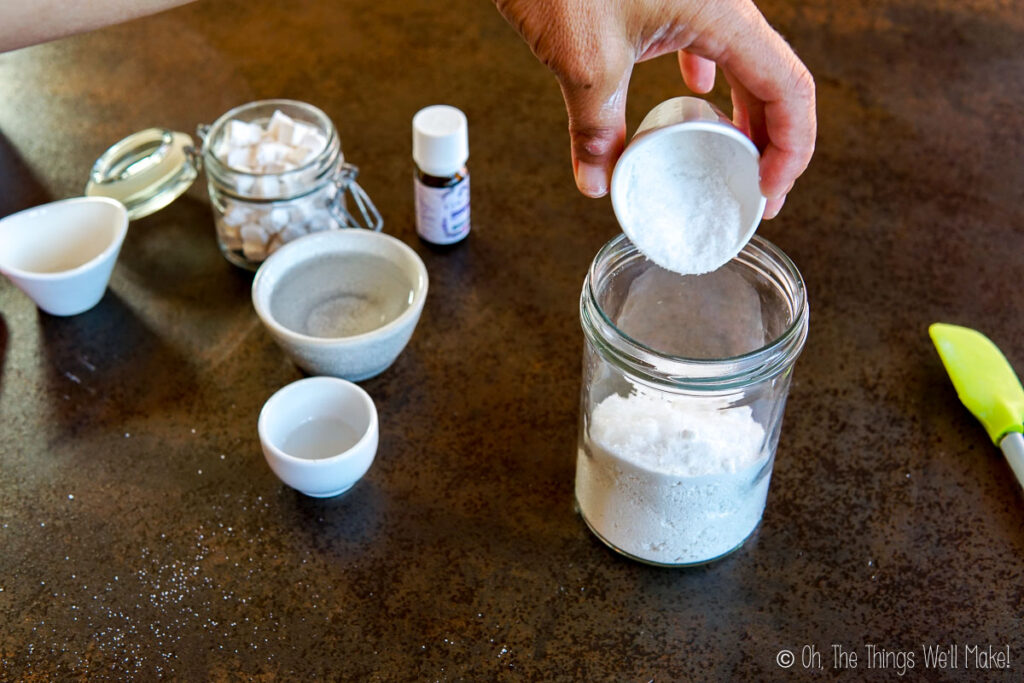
(672, 480)
(678, 201)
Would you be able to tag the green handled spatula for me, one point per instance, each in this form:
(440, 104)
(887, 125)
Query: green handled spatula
(987, 385)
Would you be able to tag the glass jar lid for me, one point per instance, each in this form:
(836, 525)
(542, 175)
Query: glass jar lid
(146, 171)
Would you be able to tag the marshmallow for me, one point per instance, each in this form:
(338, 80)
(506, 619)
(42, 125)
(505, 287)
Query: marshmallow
(277, 167)
(233, 242)
(320, 222)
(254, 251)
(240, 157)
(254, 242)
(291, 231)
(235, 214)
(306, 208)
(313, 139)
(280, 217)
(231, 232)
(271, 153)
(283, 145)
(282, 128)
(253, 232)
(275, 244)
(242, 134)
(303, 131)
(267, 187)
(299, 156)
(244, 183)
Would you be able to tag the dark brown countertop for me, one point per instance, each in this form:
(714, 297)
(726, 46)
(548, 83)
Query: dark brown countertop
(142, 533)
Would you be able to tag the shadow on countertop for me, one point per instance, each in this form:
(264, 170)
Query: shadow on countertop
(106, 365)
(21, 189)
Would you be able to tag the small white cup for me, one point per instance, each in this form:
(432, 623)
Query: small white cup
(319, 435)
(677, 137)
(61, 254)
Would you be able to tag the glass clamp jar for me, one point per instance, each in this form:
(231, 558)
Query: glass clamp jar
(684, 386)
(255, 211)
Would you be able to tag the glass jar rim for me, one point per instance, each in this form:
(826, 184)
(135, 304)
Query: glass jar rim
(670, 371)
(213, 163)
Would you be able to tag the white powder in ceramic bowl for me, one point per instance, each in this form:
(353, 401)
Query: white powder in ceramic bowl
(688, 199)
(672, 480)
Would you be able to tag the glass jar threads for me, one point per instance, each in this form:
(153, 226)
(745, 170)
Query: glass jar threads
(685, 381)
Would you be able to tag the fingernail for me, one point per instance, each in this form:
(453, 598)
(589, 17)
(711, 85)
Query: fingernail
(591, 179)
(772, 208)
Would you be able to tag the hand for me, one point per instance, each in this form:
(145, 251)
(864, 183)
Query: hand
(28, 23)
(592, 45)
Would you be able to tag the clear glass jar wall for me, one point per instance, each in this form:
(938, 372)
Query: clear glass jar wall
(684, 385)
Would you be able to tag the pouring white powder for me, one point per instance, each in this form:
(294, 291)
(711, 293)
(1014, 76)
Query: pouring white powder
(672, 480)
(676, 198)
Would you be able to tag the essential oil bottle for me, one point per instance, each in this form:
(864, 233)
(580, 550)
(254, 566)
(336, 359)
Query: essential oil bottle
(440, 150)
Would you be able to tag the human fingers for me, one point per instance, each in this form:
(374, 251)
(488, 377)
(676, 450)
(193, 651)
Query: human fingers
(587, 45)
(740, 114)
(596, 105)
(775, 95)
(748, 116)
(698, 73)
(747, 112)
(773, 206)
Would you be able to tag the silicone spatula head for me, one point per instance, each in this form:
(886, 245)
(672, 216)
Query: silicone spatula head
(983, 378)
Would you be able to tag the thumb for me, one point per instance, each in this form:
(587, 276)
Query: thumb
(597, 125)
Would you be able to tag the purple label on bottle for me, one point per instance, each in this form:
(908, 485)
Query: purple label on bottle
(442, 213)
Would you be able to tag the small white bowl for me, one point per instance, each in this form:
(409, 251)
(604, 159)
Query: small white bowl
(319, 435)
(61, 254)
(342, 303)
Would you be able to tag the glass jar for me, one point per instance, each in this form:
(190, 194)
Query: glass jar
(257, 212)
(254, 212)
(684, 385)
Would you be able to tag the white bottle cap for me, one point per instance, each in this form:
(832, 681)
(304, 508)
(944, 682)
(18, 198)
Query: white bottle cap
(440, 140)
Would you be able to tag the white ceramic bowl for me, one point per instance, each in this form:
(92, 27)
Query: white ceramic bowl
(61, 254)
(342, 303)
(319, 435)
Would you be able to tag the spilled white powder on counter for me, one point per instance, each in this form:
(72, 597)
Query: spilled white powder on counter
(672, 480)
(678, 207)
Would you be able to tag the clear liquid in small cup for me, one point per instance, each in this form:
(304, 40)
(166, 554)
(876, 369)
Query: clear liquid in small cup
(320, 438)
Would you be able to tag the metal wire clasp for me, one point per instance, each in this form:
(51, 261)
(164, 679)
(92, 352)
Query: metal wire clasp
(345, 181)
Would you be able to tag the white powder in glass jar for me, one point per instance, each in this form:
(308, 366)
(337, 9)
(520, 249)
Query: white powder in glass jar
(672, 479)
